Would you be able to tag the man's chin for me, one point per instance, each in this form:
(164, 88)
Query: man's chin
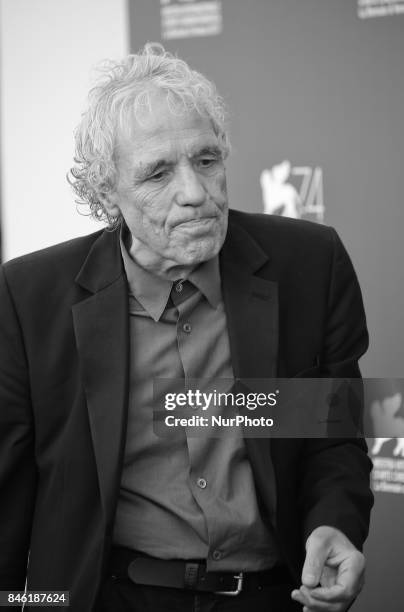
(193, 262)
(195, 256)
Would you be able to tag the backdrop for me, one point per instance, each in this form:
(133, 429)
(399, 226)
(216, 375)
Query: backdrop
(316, 92)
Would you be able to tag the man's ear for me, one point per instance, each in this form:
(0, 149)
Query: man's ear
(110, 201)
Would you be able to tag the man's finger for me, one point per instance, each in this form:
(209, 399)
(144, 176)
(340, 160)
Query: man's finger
(335, 593)
(344, 590)
(316, 556)
(303, 596)
(350, 581)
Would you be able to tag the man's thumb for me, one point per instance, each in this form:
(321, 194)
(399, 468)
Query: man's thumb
(316, 556)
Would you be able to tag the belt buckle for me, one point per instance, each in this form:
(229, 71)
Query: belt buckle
(239, 586)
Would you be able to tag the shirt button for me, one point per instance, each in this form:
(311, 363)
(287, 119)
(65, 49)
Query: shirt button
(217, 554)
(201, 482)
(178, 287)
(187, 328)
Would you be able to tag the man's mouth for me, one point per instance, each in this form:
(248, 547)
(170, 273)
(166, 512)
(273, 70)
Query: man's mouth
(198, 222)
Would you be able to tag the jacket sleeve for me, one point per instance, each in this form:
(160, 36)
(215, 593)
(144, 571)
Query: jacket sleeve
(17, 459)
(334, 479)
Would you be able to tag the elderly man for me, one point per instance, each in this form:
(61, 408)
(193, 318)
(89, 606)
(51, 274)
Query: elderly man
(93, 502)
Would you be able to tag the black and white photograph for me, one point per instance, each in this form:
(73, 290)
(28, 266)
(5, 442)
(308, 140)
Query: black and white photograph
(201, 305)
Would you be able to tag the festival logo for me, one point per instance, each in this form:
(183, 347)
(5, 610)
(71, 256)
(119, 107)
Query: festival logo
(295, 192)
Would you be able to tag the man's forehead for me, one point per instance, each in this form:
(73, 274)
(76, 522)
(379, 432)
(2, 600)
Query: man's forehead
(188, 138)
(188, 141)
(156, 123)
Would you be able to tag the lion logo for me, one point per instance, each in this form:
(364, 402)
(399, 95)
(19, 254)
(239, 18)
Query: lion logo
(279, 196)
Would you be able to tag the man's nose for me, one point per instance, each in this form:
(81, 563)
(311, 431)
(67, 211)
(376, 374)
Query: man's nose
(190, 190)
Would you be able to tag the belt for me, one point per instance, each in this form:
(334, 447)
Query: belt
(193, 575)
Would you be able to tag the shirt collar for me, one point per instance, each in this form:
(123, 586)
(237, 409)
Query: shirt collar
(152, 292)
(206, 277)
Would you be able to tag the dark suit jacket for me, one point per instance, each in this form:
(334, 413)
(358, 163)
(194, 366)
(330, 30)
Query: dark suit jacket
(293, 306)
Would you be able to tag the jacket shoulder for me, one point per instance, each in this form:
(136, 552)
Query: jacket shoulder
(53, 259)
(282, 236)
(260, 223)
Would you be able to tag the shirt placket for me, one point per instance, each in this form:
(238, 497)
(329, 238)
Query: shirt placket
(201, 474)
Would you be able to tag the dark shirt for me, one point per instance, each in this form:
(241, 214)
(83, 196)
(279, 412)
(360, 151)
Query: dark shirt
(184, 497)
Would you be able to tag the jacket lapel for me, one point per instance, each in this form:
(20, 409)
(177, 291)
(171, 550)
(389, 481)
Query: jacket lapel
(251, 304)
(101, 329)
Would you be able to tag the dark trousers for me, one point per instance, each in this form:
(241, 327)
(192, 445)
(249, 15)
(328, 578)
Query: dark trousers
(122, 595)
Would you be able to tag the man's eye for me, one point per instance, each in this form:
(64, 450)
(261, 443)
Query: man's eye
(207, 162)
(158, 176)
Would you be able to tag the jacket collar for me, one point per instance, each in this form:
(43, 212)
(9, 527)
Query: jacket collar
(103, 264)
(251, 303)
(102, 338)
(241, 249)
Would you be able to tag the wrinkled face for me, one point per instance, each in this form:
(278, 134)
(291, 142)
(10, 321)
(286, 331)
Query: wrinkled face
(171, 189)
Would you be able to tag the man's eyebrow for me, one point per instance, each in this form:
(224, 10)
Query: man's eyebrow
(149, 168)
(146, 169)
(207, 150)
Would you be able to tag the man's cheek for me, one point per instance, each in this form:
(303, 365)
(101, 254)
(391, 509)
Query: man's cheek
(150, 208)
(146, 196)
(221, 184)
(217, 189)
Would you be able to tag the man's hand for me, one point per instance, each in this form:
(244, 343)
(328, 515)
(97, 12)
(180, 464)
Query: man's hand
(333, 572)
